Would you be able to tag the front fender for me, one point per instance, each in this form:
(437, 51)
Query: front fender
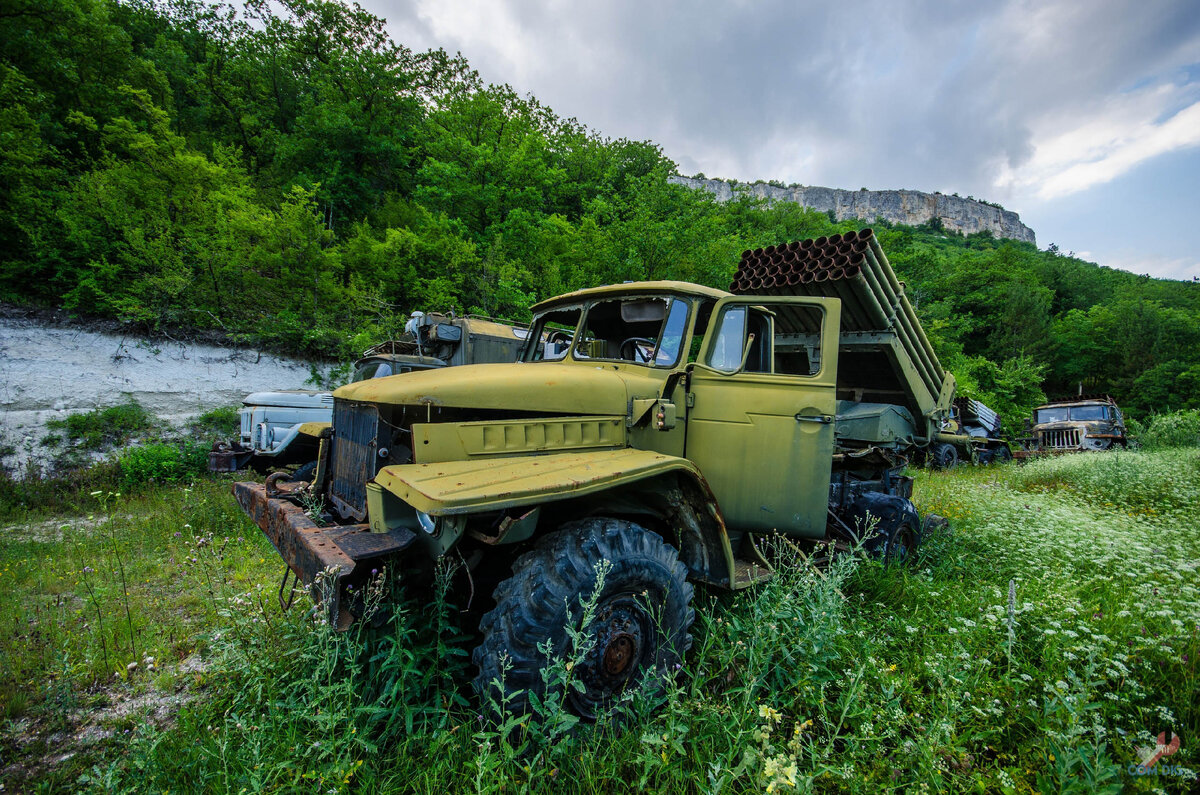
(492, 484)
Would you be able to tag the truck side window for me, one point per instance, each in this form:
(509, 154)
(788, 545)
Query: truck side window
(552, 334)
(798, 340)
(726, 353)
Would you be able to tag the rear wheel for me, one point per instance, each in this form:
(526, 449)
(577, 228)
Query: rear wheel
(639, 629)
(889, 525)
(1002, 455)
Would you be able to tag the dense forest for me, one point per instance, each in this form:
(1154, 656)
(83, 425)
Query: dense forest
(285, 173)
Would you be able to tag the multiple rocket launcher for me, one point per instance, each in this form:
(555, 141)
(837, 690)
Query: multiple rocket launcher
(852, 267)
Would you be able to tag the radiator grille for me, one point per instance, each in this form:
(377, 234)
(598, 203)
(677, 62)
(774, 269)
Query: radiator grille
(353, 456)
(1065, 439)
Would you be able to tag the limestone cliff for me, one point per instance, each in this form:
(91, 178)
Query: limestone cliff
(897, 206)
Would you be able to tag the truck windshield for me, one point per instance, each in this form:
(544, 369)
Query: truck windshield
(643, 330)
(1089, 413)
(373, 369)
(1056, 414)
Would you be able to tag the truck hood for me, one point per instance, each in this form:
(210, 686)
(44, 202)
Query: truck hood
(294, 399)
(540, 387)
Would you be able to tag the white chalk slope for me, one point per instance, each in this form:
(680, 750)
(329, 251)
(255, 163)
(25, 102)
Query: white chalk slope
(49, 371)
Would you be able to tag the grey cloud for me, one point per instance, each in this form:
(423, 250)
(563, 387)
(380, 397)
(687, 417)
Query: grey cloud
(919, 94)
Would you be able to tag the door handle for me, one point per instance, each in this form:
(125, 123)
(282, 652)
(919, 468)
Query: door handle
(824, 419)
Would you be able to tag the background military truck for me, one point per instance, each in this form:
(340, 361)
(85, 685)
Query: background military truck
(973, 433)
(1074, 424)
(277, 427)
(650, 436)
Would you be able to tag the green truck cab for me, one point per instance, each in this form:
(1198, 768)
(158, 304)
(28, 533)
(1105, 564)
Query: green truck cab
(651, 430)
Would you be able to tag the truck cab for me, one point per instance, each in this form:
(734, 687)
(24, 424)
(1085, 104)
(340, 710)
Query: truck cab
(622, 393)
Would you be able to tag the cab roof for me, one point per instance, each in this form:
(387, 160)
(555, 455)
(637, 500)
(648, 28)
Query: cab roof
(1079, 400)
(632, 288)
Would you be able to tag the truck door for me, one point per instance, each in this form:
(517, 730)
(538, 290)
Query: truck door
(761, 406)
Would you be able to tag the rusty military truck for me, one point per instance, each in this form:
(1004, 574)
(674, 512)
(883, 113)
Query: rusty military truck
(658, 430)
(1075, 424)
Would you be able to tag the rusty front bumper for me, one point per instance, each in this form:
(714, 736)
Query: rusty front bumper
(309, 549)
(228, 457)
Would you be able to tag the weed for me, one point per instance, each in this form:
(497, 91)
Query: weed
(92, 430)
(219, 424)
(1038, 647)
(163, 463)
(37, 493)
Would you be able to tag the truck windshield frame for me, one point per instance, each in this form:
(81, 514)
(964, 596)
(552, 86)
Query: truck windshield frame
(1093, 413)
(621, 328)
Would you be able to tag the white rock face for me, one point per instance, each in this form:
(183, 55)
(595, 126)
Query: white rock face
(49, 372)
(909, 207)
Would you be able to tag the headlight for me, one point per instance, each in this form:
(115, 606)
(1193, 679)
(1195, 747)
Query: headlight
(427, 522)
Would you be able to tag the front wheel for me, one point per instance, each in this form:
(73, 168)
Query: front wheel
(943, 456)
(639, 629)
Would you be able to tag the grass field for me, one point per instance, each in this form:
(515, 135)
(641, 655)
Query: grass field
(1038, 647)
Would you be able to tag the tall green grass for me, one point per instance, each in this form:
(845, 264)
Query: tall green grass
(855, 678)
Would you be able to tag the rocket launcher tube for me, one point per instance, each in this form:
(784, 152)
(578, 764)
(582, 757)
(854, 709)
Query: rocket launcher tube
(906, 306)
(918, 344)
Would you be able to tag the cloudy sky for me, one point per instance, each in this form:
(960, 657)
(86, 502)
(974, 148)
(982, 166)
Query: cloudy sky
(1082, 116)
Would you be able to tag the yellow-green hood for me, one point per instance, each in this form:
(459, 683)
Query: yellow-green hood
(533, 387)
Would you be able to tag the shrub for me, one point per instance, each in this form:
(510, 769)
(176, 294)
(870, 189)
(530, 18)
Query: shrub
(163, 463)
(35, 490)
(220, 422)
(91, 430)
(1177, 429)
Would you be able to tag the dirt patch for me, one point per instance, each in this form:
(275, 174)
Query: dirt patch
(40, 746)
(53, 531)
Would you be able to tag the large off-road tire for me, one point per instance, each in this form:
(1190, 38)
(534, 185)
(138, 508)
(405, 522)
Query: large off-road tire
(895, 526)
(1002, 454)
(305, 472)
(640, 626)
(943, 455)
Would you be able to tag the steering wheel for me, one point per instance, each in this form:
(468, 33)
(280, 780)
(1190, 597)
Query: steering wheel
(556, 338)
(636, 351)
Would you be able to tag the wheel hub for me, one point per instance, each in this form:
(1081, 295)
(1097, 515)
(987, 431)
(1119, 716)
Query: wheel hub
(622, 630)
(620, 652)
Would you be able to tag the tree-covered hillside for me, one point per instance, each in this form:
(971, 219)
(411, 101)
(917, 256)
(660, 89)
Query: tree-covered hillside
(286, 173)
